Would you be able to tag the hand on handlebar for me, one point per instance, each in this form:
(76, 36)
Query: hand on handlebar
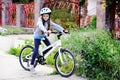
(55, 32)
(49, 31)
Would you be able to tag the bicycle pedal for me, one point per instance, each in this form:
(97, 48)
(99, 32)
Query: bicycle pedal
(25, 60)
(43, 63)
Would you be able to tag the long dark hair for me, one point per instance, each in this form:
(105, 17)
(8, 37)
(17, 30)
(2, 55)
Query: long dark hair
(47, 21)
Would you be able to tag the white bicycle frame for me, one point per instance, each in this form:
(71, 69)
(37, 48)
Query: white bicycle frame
(54, 46)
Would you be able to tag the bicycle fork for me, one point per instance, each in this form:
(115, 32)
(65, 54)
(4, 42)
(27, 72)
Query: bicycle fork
(61, 58)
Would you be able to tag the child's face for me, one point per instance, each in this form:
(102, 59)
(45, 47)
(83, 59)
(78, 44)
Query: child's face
(45, 17)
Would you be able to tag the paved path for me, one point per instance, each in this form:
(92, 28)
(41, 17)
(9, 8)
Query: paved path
(10, 68)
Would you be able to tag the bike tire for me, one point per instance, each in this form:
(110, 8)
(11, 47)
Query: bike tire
(25, 63)
(64, 51)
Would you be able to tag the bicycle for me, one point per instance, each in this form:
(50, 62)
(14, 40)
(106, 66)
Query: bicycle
(65, 62)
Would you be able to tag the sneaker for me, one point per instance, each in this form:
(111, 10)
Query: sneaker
(32, 69)
(42, 61)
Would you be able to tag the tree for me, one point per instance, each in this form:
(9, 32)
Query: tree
(81, 2)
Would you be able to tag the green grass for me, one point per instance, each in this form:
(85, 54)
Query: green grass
(11, 30)
(87, 30)
(50, 59)
(15, 31)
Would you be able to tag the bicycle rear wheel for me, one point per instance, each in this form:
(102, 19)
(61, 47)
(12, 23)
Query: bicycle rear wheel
(68, 66)
(26, 56)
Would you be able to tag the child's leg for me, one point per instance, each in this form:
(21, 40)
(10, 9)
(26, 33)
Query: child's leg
(47, 43)
(36, 47)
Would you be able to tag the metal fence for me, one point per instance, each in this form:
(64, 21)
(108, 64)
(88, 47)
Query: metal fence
(11, 14)
(28, 10)
(28, 15)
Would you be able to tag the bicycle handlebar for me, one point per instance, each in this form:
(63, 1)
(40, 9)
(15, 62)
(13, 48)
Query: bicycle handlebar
(55, 32)
(60, 33)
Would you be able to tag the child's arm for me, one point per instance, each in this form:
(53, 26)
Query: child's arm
(56, 26)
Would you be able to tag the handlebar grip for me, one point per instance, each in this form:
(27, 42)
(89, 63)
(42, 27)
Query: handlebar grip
(54, 32)
(65, 31)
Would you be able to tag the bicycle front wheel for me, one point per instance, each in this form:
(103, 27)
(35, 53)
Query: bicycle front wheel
(67, 65)
(26, 56)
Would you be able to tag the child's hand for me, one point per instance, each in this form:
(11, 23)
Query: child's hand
(49, 31)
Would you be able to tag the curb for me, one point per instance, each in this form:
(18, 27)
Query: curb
(8, 42)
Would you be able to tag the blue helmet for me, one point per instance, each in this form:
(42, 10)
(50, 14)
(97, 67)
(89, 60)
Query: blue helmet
(45, 11)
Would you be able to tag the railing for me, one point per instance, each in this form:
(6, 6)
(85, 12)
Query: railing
(11, 14)
(29, 15)
(28, 11)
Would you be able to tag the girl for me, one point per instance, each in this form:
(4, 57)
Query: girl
(43, 25)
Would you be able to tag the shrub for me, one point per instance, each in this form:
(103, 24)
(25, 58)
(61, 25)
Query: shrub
(62, 14)
(82, 2)
(70, 25)
(93, 22)
(14, 51)
(63, 17)
(100, 54)
(101, 57)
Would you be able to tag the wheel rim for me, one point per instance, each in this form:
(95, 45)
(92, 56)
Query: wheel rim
(26, 58)
(68, 66)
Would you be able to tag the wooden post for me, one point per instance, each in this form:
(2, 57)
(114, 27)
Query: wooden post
(38, 5)
(100, 14)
